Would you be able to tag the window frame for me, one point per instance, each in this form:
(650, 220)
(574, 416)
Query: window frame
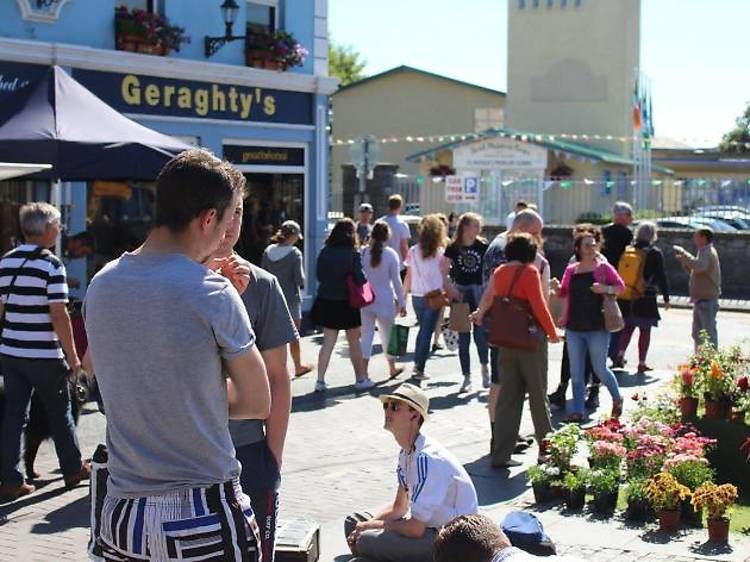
(271, 4)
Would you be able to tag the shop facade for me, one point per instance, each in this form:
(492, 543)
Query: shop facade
(270, 123)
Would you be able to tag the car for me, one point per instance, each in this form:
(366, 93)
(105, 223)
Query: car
(713, 209)
(693, 223)
(734, 218)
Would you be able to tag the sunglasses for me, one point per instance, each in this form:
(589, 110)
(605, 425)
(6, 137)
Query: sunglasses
(393, 406)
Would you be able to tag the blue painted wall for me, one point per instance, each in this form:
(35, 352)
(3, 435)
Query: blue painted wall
(91, 23)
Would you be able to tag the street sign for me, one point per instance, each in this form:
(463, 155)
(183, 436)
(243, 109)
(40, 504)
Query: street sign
(460, 189)
(364, 151)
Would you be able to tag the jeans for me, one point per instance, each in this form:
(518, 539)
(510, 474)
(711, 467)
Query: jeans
(472, 294)
(378, 545)
(48, 379)
(704, 318)
(427, 319)
(596, 344)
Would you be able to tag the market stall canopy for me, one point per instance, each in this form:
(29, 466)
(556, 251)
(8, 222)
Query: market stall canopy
(57, 120)
(12, 170)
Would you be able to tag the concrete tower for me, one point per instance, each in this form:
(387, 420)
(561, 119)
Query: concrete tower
(572, 65)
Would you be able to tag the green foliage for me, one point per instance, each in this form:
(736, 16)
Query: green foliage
(543, 474)
(692, 473)
(737, 139)
(563, 444)
(636, 490)
(604, 481)
(576, 480)
(345, 64)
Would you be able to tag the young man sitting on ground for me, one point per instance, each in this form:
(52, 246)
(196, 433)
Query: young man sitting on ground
(433, 488)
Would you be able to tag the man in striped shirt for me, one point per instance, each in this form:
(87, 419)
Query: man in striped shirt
(37, 352)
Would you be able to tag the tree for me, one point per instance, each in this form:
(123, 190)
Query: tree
(738, 139)
(345, 64)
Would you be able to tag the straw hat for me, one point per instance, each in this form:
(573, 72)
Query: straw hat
(412, 396)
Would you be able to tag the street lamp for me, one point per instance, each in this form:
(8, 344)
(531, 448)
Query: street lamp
(229, 10)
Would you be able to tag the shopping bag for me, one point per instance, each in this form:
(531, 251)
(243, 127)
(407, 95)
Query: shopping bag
(459, 319)
(398, 341)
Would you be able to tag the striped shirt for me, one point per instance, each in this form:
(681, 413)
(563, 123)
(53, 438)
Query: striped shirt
(27, 329)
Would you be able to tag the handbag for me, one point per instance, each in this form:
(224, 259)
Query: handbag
(512, 323)
(435, 299)
(613, 321)
(359, 295)
(459, 320)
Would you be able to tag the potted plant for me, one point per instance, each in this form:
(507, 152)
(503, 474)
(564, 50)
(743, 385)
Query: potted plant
(274, 51)
(562, 446)
(639, 508)
(544, 479)
(146, 32)
(665, 494)
(692, 472)
(574, 489)
(715, 383)
(605, 485)
(606, 454)
(741, 400)
(687, 392)
(716, 500)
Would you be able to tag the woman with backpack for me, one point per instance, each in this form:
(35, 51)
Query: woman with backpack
(642, 269)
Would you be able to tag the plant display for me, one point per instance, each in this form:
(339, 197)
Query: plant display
(715, 499)
(576, 480)
(665, 493)
(543, 474)
(606, 454)
(151, 28)
(604, 481)
(280, 47)
(563, 445)
(689, 471)
(686, 382)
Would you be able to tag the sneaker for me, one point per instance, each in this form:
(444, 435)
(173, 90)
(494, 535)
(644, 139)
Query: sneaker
(466, 385)
(485, 376)
(364, 384)
(557, 399)
(321, 386)
(72, 480)
(592, 400)
(12, 493)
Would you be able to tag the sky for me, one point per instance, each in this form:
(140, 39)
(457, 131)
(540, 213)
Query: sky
(695, 52)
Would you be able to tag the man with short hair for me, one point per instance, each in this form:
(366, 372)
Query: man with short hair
(400, 233)
(520, 206)
(163, 331)
(615, 238)
(37, 349)
(259, 444)
(433, 488)
(364, 224)
(705, 284)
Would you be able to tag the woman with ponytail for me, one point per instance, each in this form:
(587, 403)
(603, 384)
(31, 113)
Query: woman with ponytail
(381, 264)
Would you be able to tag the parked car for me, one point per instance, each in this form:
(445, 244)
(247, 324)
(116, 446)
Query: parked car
(713, 209)
(694, 223)
(734, 218)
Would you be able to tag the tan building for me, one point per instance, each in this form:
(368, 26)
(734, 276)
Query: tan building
(406, 102)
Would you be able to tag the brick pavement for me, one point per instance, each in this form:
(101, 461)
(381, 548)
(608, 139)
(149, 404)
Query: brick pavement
(339, 459)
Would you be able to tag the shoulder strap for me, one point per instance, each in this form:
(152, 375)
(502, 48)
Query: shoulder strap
(516, 277)
(39, 252)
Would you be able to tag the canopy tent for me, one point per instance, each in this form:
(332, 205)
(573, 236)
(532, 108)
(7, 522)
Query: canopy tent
(12, 170)
(57, 120)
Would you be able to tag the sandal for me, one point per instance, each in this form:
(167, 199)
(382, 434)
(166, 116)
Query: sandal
(643, 368)
(305, 369)
(397, 372)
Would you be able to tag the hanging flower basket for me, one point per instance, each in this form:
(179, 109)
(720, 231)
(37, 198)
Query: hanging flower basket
(139, 31)
(274, 51)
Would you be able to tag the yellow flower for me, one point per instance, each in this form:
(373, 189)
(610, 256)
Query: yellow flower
(716, 371)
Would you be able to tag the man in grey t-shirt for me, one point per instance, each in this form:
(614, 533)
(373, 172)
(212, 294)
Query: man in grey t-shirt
(163, 330)
(400, 233)
(260, 443)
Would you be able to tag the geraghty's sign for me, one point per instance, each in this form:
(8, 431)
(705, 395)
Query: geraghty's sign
(264, 155)
(151, 95)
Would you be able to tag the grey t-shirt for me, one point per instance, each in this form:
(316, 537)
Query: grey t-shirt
(158, 328)
(273, 326)
(399, 231)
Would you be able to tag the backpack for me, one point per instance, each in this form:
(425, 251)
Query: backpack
(630, 268)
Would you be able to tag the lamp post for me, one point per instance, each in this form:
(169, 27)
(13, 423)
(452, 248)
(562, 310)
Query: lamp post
(229, 10)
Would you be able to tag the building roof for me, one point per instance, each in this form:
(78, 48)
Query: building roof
(411, 69)
(576, 149)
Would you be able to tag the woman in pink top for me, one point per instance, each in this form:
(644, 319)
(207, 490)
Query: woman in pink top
(583, 286)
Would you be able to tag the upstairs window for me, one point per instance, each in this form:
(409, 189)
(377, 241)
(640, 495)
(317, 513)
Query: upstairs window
(262, 16)
(151, 6)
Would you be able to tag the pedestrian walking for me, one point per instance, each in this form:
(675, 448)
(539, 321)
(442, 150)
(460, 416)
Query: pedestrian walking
(582, 287)
(37, 350)
(381, 265)
(400, 233)
(175, 357)
(427, 281)
(705, 284)
(284, 260)
(520, 369)
(441, 324)
(521, 205)
(465, 254)
(331, 310)
(643, 264)
(364, 224)
(259, 444)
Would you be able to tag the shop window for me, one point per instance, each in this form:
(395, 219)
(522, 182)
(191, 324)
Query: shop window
(262, 16)
(487, 118)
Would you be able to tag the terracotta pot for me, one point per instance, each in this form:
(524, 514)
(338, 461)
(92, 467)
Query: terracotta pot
(718, 530)
(669, 521)
(150, 49)
(688, 408)
(575, 499)
(128, 42)
(252, 58)
(639, 511)
(714, 409)
(605, 503)
(270, 64)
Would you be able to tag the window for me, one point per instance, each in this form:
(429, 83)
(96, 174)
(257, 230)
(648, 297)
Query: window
(152, 6)
(487, 118)
(521, 4)
(262, 16)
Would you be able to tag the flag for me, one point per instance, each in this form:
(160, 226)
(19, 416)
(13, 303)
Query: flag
(637, 114)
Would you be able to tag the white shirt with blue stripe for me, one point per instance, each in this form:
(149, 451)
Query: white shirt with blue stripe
(439, 488)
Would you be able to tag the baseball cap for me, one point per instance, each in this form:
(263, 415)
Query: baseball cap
(291, 227)
(365, 208)
(412, 396)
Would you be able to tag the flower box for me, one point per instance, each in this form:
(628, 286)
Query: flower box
(138, 31)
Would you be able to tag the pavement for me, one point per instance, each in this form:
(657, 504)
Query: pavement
(339, 459)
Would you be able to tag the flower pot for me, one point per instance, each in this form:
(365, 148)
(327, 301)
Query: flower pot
(128, 42)
(639, 510)
(605, 503)
(150, 48)
(689, 515)
(688, 408)
(254, 59)
(669, 521)
(726, 408)
(270, 64)
(718, 530)
(714, 409)
(543, 492)
(575, 499)
(737, 416)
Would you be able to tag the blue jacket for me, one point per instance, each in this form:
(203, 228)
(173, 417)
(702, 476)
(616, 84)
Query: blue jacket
(334, 265)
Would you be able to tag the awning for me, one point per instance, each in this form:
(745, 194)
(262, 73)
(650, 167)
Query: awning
(10, 171)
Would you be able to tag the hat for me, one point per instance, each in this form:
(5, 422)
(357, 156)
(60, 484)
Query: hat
(412, 396)
(365, 208)
(291, 227)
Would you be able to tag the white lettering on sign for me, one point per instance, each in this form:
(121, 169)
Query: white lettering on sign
(11, 84)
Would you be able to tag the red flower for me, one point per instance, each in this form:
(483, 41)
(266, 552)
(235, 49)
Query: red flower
(742, 383)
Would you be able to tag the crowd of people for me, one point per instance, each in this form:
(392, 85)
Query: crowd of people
(185, 317)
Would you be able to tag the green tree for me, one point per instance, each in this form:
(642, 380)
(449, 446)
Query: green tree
(345, 63)
(738, 139)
